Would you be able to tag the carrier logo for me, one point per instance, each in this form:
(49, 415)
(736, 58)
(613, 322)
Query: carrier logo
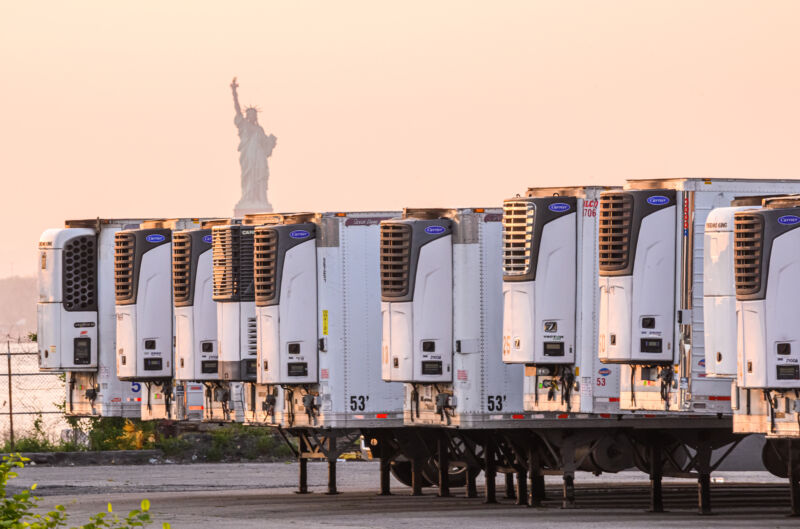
(789, 219)
(604, 372)
(702, 362)
(207, 239)
(299, 234)
(558, 207)
(155, 237)
(657, 200)
(435, 230)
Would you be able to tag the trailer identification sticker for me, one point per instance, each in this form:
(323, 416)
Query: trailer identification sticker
(325, 323)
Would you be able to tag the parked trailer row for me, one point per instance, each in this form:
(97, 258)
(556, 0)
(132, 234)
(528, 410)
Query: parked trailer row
(562, 332)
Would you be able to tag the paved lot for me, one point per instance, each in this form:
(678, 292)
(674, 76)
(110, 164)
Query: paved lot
(261, 495)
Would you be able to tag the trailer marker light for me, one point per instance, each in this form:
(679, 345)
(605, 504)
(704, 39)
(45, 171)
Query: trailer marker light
(381, 416)
(518, 416)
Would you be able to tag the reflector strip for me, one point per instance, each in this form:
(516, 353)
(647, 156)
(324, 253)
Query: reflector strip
(381, 416)
(517, 416)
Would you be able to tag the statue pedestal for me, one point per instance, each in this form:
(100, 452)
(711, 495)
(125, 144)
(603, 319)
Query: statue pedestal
(247, 209)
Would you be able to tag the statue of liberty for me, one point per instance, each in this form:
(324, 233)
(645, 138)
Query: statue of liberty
(254, 149)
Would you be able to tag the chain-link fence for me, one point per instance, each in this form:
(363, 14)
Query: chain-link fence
(31, 403)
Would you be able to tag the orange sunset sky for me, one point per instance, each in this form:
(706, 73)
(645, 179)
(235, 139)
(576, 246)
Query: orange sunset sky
(123, 108)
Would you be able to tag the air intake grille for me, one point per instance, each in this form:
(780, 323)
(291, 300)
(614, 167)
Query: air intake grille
(395, 259)
(181, 267)
(252, 337)
(616, 213)
(80, 274)
(748, 245)
(232, 254)
(517, 237)
(124, 254)
(266, 263)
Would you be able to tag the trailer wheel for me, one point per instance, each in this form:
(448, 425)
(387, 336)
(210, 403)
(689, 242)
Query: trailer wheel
(401, 470)
(457, 474)
(775, 457)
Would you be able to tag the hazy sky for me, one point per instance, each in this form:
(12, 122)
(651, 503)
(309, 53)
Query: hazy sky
(111, 108)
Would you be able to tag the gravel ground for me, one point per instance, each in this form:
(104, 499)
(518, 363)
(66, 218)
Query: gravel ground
(254, 495)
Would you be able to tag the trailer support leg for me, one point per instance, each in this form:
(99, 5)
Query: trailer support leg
(510, 494)
(656, 473)
(444, 468)
(704, 493)
(416, 477)
(537, 479)
(385, 476)
(490, 470)
(568, 500)
(302, 485)
(472, 487)
(794, 478)
(522, 486)
(332, 466)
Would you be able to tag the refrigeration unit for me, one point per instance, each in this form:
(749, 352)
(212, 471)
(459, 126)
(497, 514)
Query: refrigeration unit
(195, 310)
(144, 308)
(651, 248)
(319, 326)
(234, 294)
(767, 263)
(719, 288)
(76, 319)
(196, 361)
(236, 390)
(550, 302)
(441, 306)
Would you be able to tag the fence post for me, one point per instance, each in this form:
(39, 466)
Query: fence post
(10, 396)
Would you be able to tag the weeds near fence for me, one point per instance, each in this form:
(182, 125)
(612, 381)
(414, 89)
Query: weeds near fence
(16, 511)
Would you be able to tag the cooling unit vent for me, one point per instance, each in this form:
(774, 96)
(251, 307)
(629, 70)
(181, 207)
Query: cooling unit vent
(80, 274)
(266, 264)
(616, 214)
(748, 245)
(517, 237)
(124, 253)
(395, 259)
(181, 267)
(232, 254)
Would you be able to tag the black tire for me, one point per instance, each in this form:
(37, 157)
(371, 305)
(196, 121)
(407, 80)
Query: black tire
(775, 457)
(457, 474)
(401, 470)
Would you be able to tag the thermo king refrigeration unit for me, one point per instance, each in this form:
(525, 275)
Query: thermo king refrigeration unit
(76, 319)
(651, 289)
(237, 338)
(325, 266)
(719, 288)
(550, 301)
(441, 305)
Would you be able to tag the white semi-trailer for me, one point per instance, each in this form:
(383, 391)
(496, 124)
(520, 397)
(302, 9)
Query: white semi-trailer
(76, 317)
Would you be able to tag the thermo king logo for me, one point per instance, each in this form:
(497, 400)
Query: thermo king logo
(657, 200)
(789, 219)
(558, 207)
(299, 234)
(434, 230)
(605, 372)
(155, 237)
(207, 239)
